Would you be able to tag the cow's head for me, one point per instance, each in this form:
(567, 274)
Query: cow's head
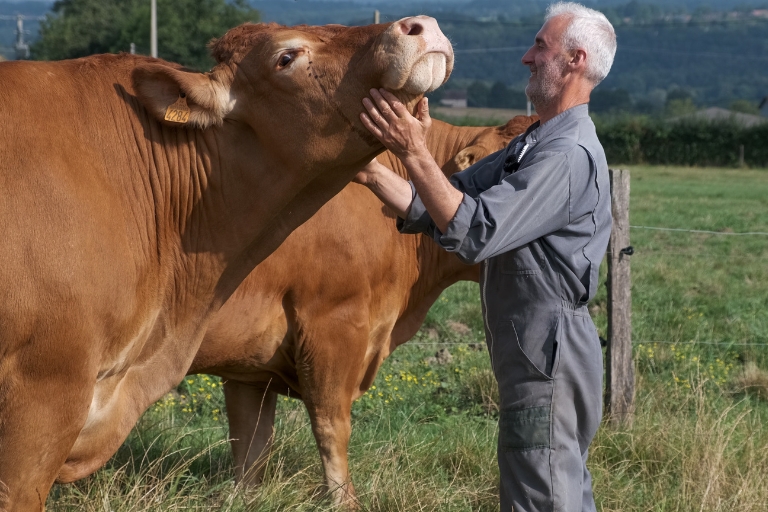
(300, 88)
(492, 140)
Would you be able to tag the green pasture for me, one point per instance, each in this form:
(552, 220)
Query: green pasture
(424, 436)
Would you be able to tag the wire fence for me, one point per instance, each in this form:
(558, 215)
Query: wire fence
(701, 231)
(693, 252)
(726, 343)
(644, 342)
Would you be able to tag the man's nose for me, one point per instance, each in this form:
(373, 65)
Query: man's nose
(527, 59)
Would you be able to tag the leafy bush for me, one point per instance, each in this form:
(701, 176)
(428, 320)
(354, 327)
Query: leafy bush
(644, 140)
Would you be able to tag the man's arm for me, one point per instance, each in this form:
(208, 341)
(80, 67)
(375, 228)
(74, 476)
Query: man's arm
(390, 188)
(405, 136)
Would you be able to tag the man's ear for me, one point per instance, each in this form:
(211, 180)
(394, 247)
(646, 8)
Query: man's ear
(577, 58)
(160, 86)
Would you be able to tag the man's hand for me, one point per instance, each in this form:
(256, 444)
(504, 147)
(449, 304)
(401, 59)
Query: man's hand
(393, 190)
(405, 136)
(367, 175)
(399, 131)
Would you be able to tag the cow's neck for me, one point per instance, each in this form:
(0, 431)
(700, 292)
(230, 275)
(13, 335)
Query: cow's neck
(231, 204)
(437, 270)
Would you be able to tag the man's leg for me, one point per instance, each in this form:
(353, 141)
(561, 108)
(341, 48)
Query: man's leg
(547, 421)
(588, 500)
(577, 408)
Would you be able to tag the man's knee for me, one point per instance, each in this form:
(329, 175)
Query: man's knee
(540, 468)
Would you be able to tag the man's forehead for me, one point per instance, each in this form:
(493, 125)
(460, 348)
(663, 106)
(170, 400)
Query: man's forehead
(552, 31)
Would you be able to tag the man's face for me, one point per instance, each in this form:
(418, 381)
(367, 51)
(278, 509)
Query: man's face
(547, 61)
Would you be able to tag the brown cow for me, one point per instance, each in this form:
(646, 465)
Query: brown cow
(318, 317)
(126, 225)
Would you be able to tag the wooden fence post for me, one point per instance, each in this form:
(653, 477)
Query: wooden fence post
(620, 393)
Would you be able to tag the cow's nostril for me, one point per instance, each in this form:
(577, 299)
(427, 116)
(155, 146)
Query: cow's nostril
(414, 29)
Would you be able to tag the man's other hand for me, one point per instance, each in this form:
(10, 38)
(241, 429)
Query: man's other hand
(367, 175)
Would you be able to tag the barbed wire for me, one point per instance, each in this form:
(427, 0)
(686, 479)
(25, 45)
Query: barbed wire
(23, 17)
(645, 251)
(689, 255)
(676, 24)
(644, 342)
(665, 51)
(701, 231)
(498, 49)
(449, 343)
(696, 342)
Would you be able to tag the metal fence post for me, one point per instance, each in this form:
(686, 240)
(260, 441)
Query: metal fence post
(620, 370)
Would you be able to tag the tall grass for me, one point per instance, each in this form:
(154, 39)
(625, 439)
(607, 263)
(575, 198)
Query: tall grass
(424, 437)
(687, 450)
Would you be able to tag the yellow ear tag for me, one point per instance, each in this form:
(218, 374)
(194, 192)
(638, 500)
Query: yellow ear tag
(178, 112)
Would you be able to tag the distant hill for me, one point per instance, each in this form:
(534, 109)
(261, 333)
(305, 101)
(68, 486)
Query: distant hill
(31, 7)
(712, 52)
(706, 58)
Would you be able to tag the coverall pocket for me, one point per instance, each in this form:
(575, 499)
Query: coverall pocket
(527, 260)
(524, 429)
(542, 349)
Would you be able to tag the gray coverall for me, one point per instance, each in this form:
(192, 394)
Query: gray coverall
(538, 215)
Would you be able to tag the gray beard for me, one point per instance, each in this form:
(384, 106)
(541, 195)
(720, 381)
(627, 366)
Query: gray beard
(544, 89)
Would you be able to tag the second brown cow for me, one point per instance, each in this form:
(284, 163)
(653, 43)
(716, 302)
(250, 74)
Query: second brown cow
(318, 317)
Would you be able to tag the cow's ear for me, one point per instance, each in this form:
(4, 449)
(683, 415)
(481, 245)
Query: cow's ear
(168, 93)
(469, 156)
(516, 126)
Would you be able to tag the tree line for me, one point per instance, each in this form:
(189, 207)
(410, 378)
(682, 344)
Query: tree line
(690, 142)
(76, 28)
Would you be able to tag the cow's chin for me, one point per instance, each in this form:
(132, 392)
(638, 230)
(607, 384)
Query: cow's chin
(429, 73)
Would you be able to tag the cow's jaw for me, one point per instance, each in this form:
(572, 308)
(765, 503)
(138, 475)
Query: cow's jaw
(427, 74)
(416, 55)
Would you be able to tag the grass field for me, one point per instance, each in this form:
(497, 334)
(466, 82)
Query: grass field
(424, 437)
(474, 116)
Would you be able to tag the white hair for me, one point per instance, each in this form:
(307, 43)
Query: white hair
(590, 31)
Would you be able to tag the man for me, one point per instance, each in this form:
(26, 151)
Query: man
(537, 214)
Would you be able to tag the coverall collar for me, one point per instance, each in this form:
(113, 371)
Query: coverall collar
(542, 131)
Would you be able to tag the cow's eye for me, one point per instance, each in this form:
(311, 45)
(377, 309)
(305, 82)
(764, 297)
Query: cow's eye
(285, 60)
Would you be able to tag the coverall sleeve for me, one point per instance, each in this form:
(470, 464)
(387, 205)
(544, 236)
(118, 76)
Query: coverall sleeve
(482, 175)
(524, 206)
(476, 178)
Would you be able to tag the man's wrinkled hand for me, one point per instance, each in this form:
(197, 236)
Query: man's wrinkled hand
(389, 120)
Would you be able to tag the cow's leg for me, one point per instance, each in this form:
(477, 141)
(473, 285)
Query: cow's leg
(118, 403)
(251, 414)
(328, 385)
(44, 400)
(331, 425)
(111, 414)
